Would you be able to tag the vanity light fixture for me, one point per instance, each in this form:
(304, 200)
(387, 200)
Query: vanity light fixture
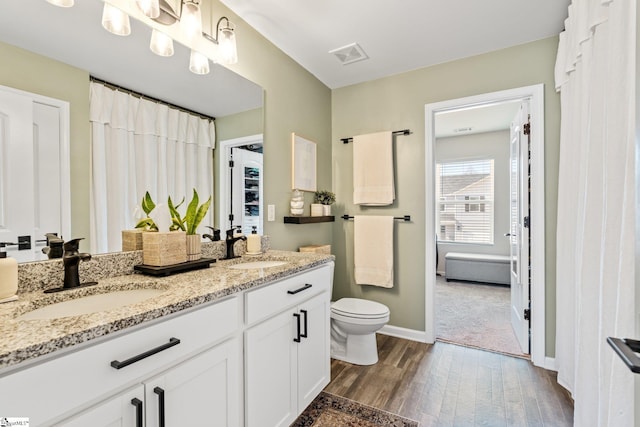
(226, 40)
(61, 3)
(151, 8)
(161, 44)
(198, 63)
(115, 21)
(191, 18)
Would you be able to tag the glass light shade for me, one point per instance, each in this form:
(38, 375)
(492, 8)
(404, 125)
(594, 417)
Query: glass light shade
(150, 8)
(227, 45)
(161, 44)
(115, 21)
(191, 20)
(61, 3)
(198, 63)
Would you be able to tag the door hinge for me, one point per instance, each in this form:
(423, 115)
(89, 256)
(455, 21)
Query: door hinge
(525, 222)
(230, 163)
(527, 314)
(527, 128)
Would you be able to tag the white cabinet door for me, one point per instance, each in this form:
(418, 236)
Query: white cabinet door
(270, 367)
(287, 363)
(314, 361)
(204, 390)
(123, 410)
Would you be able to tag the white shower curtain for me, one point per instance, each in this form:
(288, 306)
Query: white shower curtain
(595, 74)
(139, 145)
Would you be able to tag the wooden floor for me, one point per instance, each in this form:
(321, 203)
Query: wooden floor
(449, 385)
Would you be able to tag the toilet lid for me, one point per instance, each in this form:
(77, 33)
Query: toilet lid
(356, 307)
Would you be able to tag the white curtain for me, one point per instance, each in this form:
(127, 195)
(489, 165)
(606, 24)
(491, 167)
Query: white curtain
(137, 146)
(595, 74)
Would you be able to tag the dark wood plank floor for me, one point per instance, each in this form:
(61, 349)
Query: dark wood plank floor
(448, 385)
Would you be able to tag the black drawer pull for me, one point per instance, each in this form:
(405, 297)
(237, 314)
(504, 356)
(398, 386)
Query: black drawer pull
(138, 404)
(304, 288)
(160, 392)
(304, 335)
(119, 365)
(297, 316)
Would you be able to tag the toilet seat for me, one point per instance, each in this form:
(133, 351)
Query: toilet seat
(359, 308)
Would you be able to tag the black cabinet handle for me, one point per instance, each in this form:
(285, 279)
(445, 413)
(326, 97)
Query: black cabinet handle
(304, 335)
(160, 393)
(119, 365)
(138, 404)
(304, 288)
(297, 316)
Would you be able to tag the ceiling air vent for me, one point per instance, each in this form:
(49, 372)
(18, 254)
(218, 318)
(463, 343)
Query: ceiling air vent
(349, 54)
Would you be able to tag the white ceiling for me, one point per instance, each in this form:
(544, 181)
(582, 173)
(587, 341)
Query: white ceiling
(397, 36)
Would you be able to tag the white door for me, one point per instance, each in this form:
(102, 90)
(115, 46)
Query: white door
(519, 228)
(123, 410)
(271, 366)
(33, 171)
(314, 361)
(204, 390)
(246, 190)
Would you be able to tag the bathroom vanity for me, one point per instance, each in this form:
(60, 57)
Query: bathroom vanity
(245, 342)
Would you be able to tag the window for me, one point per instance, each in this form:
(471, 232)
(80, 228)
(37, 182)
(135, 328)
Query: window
(464, 190)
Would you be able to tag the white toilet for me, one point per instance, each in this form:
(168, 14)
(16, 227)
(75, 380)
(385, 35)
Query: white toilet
(354, 323)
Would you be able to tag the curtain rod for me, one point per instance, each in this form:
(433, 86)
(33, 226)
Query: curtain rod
(149, 98)
(395, 132)
(406, 218)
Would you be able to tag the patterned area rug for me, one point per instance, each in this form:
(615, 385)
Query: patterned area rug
(329, 410)
(475, 315)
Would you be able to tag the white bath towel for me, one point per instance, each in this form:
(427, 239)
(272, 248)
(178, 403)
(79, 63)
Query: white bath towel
(373, 250)
(373, 169)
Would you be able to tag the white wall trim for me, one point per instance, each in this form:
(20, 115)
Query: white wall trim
(223, 167)
(536, 94)
(550, 364)
(408, 334)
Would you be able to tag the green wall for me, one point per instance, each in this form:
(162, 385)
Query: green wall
(398, 102)
(33, 73)
(295, 101)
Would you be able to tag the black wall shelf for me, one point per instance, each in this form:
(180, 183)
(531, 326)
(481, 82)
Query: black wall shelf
(308, 219)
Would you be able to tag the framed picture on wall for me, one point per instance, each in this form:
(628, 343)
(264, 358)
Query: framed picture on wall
(303, 168)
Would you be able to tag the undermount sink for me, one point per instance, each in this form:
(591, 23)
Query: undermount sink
(256, 265)
(90, 304)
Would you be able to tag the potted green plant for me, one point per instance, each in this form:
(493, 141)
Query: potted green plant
(325, 198)
(189, 223)
(147, 224)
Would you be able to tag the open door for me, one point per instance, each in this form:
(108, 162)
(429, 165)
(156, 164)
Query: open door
(519, 226)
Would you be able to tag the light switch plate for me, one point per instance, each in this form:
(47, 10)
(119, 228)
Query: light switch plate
(271, 212)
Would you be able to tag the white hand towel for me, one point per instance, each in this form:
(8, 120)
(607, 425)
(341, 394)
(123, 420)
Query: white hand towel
(373, 250)
(373, 169)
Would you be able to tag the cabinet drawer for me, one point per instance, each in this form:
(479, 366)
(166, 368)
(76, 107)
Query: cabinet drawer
(80, 378)
(273, 298)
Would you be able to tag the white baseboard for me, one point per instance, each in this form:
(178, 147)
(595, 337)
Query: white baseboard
(408, 334)
(550, 364)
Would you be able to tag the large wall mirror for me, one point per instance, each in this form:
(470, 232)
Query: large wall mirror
(74, 36)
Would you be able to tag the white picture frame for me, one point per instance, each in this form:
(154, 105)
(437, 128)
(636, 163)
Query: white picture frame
(303, 167)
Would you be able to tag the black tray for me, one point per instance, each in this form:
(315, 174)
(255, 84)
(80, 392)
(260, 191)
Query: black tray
(167, 270)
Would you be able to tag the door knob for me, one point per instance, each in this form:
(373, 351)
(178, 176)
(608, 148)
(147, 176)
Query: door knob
(507, 234)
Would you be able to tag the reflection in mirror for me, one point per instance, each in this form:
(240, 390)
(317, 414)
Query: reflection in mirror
(52, 32)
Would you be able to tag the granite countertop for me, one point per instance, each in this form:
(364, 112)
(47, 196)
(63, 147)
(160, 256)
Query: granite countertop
(26, 340)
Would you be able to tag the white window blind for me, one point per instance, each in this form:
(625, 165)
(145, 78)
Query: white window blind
(464, 191)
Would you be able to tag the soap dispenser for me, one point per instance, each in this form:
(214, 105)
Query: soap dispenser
(8, 275)
(254, 242)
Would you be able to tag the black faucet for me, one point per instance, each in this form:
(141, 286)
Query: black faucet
(230, 240)
(213, 237)
(71, 260)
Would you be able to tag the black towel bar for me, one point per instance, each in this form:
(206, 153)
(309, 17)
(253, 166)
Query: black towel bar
(406, 218)
(395, 132)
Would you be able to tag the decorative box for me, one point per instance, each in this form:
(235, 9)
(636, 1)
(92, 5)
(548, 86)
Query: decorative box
(162, 249)
(131, 240)
(319, 249)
